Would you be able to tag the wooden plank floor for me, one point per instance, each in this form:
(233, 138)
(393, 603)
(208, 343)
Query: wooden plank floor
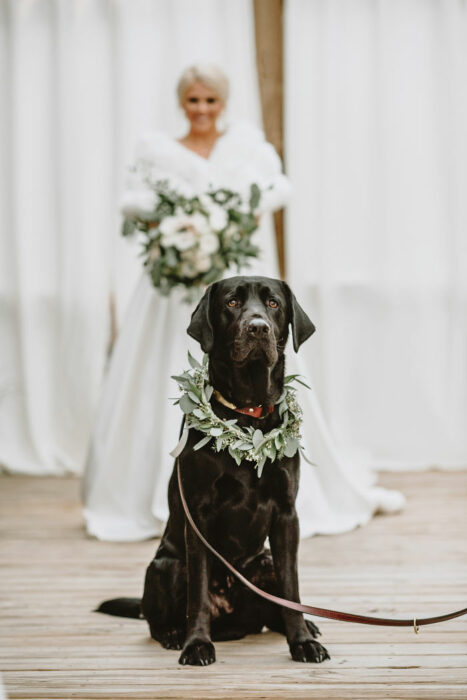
(53, 646)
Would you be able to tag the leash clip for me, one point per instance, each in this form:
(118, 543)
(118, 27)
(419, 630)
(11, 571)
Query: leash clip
(416, 628)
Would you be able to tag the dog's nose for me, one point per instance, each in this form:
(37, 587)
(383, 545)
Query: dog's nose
(258, 327)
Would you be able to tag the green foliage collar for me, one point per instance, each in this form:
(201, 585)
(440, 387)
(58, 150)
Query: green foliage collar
(242, 443)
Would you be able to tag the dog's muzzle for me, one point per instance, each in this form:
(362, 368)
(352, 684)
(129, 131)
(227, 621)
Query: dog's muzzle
(255, 341)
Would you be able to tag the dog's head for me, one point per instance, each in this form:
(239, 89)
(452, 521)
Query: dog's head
(249, 318)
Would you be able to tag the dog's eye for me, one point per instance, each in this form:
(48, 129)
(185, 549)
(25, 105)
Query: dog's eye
(273, 303)
(232, 303)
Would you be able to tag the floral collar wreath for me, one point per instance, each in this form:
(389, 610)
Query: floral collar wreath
(242, 443)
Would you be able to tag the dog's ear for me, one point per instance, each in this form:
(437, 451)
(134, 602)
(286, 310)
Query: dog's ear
(200, 327)
(302, 327)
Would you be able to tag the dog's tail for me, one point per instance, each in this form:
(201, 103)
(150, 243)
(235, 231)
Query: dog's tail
(122, 607)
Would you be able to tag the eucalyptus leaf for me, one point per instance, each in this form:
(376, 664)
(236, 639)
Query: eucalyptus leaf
(186, 404)
(128, 227)
(291, 447)
(193, 361)
(300, 381)
(260, 466)
(235, 455)
(245, 446)
(255, 196)
(257, 438)
(236, 444)
(202, 442)
(303, 454)
(242, 443)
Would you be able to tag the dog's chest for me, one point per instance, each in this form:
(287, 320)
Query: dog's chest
(243, 506)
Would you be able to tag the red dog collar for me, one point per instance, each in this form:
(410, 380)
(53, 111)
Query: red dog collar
(253, 411)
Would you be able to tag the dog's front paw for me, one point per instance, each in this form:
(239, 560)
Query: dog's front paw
(198, 653)
(172, 639)
(308, 651)
(312, 629)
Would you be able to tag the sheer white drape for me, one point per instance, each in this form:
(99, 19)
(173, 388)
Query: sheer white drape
(376, 147)
(80, 80)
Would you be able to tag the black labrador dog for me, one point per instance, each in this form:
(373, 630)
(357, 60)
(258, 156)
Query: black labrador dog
(190, 599)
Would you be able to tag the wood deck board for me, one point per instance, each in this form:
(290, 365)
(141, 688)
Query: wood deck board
(53, 646)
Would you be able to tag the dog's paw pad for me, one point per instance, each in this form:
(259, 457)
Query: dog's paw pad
(312, 629)
(309, 651)
(198, 653)
(172, 639)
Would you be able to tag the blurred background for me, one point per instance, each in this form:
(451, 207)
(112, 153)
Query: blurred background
(366, 100)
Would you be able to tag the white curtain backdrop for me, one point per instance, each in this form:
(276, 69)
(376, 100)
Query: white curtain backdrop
(79, 81)
(376, 147)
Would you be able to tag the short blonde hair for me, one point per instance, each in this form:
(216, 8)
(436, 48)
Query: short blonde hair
(208, 74)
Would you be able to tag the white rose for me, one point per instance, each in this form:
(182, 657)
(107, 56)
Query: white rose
(218, 217)
(209, 243)
(169, 225)
(183, 231)
(206, 202)
(200, 224)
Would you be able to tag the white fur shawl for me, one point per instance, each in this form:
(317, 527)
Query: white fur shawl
(240, 157)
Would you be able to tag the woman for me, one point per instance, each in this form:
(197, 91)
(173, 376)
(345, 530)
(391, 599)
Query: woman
(137, 426)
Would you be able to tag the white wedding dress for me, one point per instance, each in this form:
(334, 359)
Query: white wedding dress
(137, 425)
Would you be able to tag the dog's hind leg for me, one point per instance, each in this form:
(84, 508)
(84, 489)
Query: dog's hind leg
(164, 601)
(261, 572)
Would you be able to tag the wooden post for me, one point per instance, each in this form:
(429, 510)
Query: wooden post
(269, 52)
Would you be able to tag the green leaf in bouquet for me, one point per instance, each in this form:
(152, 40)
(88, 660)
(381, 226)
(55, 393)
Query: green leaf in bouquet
(255, 196)
(156, 273)
(128, 227)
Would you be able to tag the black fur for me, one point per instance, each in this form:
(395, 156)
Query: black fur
(190, 599)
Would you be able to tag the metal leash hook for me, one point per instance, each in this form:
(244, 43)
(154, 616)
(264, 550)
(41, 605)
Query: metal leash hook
(416, 628)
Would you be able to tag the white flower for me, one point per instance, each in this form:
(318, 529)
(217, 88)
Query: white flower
(182, 231)
(188, 269)
(205, 201)
(139, 202)
(217, 217)
(203, 262)
(209, 243)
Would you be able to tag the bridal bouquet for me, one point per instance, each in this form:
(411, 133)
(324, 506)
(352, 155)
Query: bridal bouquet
(190, 241)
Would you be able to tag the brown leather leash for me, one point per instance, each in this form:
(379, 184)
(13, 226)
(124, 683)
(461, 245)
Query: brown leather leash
(310, 609)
